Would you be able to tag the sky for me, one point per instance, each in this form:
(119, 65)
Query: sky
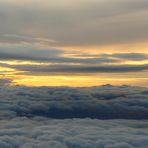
(74, 43)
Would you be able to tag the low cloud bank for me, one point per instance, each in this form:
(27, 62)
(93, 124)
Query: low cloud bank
(104, 102)
(30, 117)
(73, 133)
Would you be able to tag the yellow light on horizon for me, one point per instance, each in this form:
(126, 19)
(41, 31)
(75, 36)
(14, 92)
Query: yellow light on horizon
(77, 81)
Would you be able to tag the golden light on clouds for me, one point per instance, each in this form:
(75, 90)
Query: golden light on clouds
(139, 47)
(74, 43)
(77, 81)
(81, 80)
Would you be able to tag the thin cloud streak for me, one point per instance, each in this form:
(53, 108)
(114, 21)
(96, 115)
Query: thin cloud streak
(40, 37)
(77, 68)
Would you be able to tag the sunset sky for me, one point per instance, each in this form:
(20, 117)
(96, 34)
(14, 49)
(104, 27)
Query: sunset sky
(74, 42)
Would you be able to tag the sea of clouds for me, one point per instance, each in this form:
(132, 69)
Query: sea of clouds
(64, 117)
(41, 132)
(104, 102)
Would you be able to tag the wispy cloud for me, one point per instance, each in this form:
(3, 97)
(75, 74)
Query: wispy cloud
(48, 34)
(76, 23)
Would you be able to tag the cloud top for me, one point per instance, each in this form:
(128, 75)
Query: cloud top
(62, 117)
(104, 102)
(82, 133)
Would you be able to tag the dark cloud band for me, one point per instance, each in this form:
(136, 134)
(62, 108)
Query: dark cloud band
(77, 69)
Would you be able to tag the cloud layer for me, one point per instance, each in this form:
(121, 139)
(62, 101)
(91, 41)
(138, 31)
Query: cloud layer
(63, 117)
(54, 61)
(73, 133)
(105, 102)
(80, 37)
(78, 23)
(59, 56)
(78, 69)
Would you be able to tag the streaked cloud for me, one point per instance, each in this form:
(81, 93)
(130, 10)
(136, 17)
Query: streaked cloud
(77, 68)
(30, 53)
(79, 37)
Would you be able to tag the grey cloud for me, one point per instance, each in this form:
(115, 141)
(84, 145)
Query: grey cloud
(56, 59)
(119, 56)
(82, 133)
(47, 55)
(105, 102)
(129, 56)
(81, 23)
(53, 55)
(27, 117)
(61, 64)
(5, 81)
(77, 69)
(18, 39)
(30, 53)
